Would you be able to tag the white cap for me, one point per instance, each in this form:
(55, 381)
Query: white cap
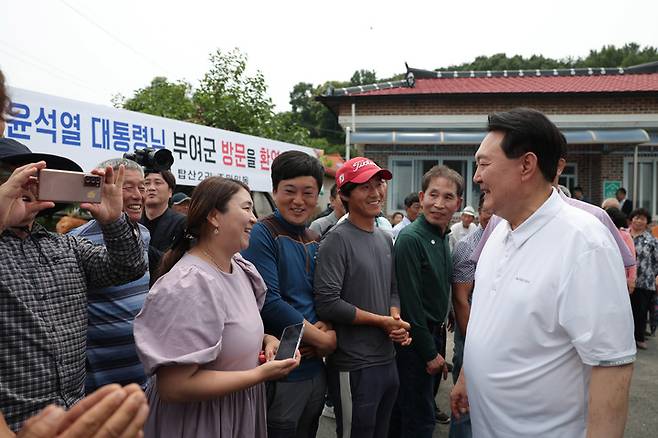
(469, 210)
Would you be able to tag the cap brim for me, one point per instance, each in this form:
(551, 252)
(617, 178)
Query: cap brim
(52, 161)
(365, 176)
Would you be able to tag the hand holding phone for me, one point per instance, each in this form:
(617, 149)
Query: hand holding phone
(290, 340)
(66, 186)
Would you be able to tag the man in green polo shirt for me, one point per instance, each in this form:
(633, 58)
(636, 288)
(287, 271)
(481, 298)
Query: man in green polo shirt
(422, 267)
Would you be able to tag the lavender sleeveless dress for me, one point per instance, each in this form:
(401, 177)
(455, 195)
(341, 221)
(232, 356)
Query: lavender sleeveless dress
(197, 314)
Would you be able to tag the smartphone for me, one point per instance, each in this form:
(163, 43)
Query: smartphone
(289, 343)
(67, 186)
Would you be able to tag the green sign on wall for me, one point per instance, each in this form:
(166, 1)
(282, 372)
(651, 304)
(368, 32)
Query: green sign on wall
(610, 188)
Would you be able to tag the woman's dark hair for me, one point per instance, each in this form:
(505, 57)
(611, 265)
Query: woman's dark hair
(528, 130)
(214, 192)
(618, 218)
(640, 212)
(292, 164)
(5, 102)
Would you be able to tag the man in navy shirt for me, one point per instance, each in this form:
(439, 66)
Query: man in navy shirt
(283, 250)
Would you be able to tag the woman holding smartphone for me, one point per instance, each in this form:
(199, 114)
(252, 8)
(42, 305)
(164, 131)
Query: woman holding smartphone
(200, 333)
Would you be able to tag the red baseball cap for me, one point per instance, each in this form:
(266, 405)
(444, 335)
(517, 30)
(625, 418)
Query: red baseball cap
(359, 170)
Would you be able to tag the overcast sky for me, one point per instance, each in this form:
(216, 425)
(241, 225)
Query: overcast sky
(91, 50)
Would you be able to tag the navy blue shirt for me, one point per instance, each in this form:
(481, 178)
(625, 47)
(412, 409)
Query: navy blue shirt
(284, 255)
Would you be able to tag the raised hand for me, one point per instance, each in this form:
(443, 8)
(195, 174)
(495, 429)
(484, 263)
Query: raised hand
(111, 205)
(13, 207)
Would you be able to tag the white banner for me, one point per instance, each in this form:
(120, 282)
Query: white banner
(89, 133)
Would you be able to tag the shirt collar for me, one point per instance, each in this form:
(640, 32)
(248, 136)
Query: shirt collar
(542, 216)
(431, 228)
(296, 229)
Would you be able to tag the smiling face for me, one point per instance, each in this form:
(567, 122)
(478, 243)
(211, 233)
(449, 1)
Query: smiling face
(639, 223)
(236, 223)
(296, 199)
(133, 194)
(467, 220)
(498, 176)
(366, 200)
(157, 191)
(440, 201)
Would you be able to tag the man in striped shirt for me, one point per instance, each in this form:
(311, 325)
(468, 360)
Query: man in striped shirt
(111, 355)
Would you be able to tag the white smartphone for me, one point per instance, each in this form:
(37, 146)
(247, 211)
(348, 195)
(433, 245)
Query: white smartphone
(290, 340)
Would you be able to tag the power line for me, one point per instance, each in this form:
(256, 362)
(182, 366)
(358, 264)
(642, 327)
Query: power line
(44, 66)
(50, 72)
(114, 37)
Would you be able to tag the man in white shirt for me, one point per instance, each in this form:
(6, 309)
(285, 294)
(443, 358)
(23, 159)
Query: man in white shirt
(550, 336)
(411, 211)
(462, 228)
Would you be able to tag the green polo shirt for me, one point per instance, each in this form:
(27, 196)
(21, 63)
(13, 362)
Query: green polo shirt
(423, 267)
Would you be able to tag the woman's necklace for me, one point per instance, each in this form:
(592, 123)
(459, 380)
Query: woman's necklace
(212, 259)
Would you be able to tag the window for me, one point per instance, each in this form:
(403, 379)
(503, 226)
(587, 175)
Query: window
(408, 177)
(646, 183)
(569, 177)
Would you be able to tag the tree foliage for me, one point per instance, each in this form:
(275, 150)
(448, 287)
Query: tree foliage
(607, 56)
(162, 98)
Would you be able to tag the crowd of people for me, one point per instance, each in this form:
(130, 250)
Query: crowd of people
(161, 315)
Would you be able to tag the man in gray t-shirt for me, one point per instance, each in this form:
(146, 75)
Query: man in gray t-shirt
(355, 290)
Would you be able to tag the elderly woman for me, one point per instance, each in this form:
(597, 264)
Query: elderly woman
(646, 248)
(200, 332)
(619, 219)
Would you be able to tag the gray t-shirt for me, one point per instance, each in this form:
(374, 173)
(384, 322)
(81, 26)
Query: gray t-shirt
(355, 268)
(323, 224)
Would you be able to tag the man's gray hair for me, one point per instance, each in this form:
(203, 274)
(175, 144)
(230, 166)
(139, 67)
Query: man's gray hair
(114, 163)
(441, 171)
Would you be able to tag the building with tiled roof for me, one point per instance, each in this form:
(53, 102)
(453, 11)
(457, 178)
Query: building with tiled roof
(430, 117)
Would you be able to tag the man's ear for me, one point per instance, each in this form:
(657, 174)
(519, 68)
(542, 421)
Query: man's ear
(529, 165)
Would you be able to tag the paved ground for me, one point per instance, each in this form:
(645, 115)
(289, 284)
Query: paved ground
(643, 413)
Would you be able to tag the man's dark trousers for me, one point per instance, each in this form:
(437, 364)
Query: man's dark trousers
(413, 415)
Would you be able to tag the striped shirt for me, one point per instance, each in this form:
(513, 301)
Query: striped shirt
(111, 354)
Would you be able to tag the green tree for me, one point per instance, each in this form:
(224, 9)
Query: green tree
(229, 98)
(607, 56)
(161, 98)
(363, 77)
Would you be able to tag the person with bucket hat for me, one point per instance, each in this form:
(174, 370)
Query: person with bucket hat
(44, 279)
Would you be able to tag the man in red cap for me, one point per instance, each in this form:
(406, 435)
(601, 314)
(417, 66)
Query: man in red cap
(355, 289)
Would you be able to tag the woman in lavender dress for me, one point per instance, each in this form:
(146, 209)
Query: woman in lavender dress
(200, 333)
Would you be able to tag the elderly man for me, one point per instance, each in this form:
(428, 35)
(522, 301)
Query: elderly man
(44, 279)
(539, 359)
(111, 354)
(462, 228)
(422, 269)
